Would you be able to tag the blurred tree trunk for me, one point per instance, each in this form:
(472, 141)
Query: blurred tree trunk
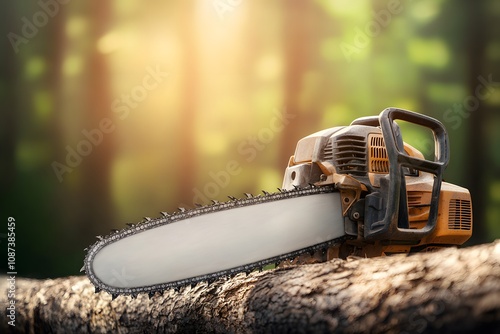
(56, 43)
(9, 77)
(298, 46)
(95, 200)
(483, 66)
(186, 145)
(30, 137)
(426, 292)
(476, 39)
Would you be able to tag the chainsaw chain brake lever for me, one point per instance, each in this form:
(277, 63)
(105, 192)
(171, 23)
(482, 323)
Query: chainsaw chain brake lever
(386, 212)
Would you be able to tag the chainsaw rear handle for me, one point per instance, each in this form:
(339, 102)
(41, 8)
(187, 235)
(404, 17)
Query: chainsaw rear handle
(395, 223)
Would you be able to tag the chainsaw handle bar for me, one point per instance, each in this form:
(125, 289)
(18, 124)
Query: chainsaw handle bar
(396, 213)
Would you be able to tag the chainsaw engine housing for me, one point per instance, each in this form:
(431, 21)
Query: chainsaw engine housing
(393, 199)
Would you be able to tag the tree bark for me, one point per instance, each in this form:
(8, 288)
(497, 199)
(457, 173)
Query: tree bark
(453, 290)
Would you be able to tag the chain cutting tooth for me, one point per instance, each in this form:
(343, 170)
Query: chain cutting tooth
(114, 296)
(164, 214)
(151, 294)
(248, 195)
(130, 224)
(198, 205)
(133, 295)
(214, 202)
(232, 198)
(99, 237)
(177, 288)
(265, 192)
(82, 269)
(147, 219)
(97, 289)
(181, 209)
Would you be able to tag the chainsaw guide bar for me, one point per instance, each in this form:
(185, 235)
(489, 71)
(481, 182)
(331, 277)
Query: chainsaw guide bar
(184, 215)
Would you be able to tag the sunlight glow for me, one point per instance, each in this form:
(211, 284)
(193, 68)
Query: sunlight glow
(35, 67)
(72, 65)
(43, 105)
(345, 8)
(426, 10)
(76, 26)
(428, 52)
(109, 42)
(269, 66)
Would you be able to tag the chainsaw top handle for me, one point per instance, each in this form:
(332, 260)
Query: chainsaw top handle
(394, 226)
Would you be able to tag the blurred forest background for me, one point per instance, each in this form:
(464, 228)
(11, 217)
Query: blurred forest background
(115, 110)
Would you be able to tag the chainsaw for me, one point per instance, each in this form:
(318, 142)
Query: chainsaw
(349, 190)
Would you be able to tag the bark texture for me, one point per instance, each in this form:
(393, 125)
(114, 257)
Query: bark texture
(454, 290)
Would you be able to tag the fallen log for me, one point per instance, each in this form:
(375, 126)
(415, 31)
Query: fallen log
(453, 290)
